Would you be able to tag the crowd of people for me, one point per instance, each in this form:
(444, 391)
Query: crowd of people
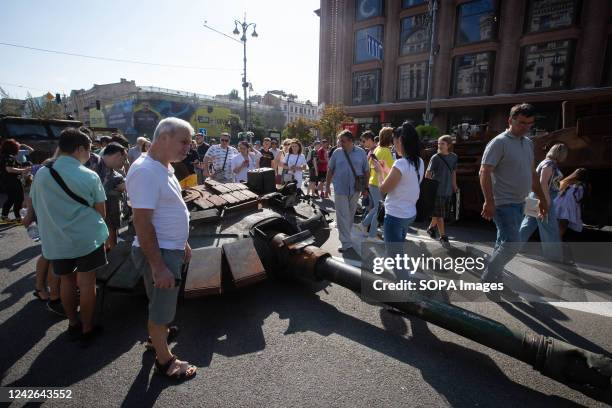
(78, 199)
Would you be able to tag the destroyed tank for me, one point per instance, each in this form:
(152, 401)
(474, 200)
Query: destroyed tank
(222, 218)
(242, 234)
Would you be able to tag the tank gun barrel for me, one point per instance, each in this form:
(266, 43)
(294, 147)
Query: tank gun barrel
(588, 372)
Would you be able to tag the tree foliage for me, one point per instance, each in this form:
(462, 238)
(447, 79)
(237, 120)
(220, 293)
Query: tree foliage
(299, 129)
(257, 127)
(234, 95)
(427, 132)
(274, 119)
(331, 121)
(44, 109)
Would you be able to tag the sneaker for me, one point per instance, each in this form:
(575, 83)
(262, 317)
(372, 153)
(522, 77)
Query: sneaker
(344, 249)
(4, 220)
(55, 306)
(444, 239)
(432, 233)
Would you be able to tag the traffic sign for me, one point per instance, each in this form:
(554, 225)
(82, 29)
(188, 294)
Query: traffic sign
(202, 131)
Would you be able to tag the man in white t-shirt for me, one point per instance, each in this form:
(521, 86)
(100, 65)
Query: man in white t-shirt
(218, 161)
(161, 220)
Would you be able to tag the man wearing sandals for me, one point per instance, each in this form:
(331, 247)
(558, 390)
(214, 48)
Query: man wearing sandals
(160, 248)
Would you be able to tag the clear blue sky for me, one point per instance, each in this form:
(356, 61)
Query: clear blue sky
(284, 56)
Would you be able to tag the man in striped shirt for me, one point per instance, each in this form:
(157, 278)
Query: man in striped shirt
(218, 159)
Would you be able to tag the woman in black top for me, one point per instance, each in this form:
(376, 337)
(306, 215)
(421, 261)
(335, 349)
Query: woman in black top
(10, 170)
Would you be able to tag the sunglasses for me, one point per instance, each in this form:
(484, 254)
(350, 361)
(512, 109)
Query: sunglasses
(225, 140)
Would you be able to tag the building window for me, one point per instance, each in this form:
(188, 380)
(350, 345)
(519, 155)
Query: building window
(469, 116)
(412, 81)
(472, 74)
(362, 52)
(476, 22)
(607, 74)
(366, 87)
(550, 14)
(414, 37)
(546, 65)
(367, 9)
(412, 3)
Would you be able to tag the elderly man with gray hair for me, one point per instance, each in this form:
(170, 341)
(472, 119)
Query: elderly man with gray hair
(135, 152)
(160, 248)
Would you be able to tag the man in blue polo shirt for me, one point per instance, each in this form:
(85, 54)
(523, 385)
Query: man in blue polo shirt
(345, 195)
(72, 228)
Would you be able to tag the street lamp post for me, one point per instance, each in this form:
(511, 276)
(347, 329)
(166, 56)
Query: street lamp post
(244, 25)
(433, 8)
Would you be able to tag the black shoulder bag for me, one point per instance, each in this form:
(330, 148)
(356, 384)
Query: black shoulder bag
(361, 184)
(64, 187)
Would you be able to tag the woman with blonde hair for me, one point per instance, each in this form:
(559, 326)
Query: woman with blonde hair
(548, 227)
(382, 152)
(568, 202)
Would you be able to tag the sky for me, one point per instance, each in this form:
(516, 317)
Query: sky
(284, 56)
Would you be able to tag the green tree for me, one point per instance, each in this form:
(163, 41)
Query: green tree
(257, 127)
(427, 132)
(331, 121)
(234, 95)
(274, 119)
(235, 124)
(299, 129)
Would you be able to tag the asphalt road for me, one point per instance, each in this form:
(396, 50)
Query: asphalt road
(282, 344)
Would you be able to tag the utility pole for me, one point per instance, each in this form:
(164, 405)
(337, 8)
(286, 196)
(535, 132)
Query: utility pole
(433, 8)
(244, 25)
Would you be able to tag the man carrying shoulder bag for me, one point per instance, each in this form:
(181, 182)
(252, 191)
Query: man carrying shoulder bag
(348, 170)
(69, 202)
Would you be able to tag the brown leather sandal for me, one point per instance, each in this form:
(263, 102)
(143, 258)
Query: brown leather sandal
(162, 369)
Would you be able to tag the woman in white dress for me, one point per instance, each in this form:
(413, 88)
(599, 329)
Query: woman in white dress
(295, 162)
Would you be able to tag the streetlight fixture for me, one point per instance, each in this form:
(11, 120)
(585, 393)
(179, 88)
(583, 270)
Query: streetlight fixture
(245, 84)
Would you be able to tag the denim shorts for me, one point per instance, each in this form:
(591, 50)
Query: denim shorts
(162, 302)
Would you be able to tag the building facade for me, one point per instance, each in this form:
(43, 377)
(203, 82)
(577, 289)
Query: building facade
(292, 108)
(136, 110)
(489, 55)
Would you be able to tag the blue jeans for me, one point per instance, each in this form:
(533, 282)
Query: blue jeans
(395, 229)
(507, 219)
(371, 219)
(548, 229)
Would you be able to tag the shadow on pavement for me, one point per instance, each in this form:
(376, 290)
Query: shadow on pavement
(19, 289)
(22, 331)
(231, 325)
(22, 257)
(441, 363)
(542, 319)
